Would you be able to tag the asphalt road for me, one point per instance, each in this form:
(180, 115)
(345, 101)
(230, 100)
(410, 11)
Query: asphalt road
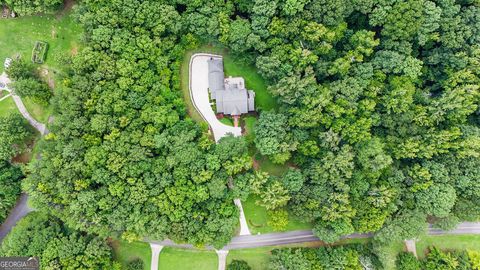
(20, 210)
(284, 238)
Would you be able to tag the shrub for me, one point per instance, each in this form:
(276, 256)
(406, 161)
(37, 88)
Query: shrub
(135, 264)
(238, 265)
(406, 261)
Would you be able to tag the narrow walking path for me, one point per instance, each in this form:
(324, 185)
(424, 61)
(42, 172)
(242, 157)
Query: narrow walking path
(198, 86)
(155, 255)
(21, 107)
(20, 210)
(410, 244)
(23, 110)
(5, 97)
(222, 259)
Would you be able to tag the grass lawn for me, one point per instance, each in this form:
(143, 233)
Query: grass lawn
(273, 169)
(459, 242)
(187, 259)
(18, 35)
(38, 112)
(125, 252)
(253, 81)
(257, 218)
(391, 253)
(257, 258)
(227, 121)
(7, 107)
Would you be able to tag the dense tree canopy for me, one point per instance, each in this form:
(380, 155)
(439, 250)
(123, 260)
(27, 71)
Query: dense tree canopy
(378, 119)
(28, 7)
(13, 135)
(10, 177)
(57, 246)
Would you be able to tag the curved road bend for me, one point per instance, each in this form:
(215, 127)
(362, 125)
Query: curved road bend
(20, 210)
(284, 238)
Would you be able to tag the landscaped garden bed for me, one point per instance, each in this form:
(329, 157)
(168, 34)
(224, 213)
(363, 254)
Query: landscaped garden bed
(39, 52)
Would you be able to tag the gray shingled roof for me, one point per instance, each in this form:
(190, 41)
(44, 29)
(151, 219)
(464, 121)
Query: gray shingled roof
(231, 98)
(215, 76)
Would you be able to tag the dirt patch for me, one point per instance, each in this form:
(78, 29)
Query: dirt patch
(67, 6)
(74, 50)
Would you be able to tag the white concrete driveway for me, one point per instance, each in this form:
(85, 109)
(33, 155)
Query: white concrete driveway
(199, 95)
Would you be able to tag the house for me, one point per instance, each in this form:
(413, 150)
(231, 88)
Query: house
(230, 95)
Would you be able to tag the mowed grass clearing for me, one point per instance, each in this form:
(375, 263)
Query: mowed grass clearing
(7, 107)
(187, 259)
(125, 252)
(39, 112)
(448, 242)
(257, 218)
(18, 35)
(257, 258)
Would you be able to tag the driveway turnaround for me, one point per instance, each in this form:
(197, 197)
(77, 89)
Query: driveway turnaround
(199, 94)
(155, 255)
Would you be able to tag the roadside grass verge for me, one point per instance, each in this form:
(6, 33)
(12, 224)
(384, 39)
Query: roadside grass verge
(125, 252)
(257, 218)
(187, 259)
(257, 258)
(448, 242)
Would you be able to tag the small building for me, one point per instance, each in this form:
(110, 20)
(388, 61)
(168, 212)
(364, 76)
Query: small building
(230, 95)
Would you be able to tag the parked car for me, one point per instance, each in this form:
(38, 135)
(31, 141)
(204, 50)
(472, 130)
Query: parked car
(8, 62)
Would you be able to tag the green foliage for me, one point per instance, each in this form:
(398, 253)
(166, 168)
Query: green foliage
(136, 264)
(278, 219)
(342, 257)
(376, 100)
(29, 7)
(10, 177)
(407, 261)
(271, 137)
(33, 88)
(238, 265)
(439, 260)
(13, 134)
(58, 247)
(27, 83)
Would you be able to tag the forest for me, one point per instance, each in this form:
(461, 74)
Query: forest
(378, 120)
